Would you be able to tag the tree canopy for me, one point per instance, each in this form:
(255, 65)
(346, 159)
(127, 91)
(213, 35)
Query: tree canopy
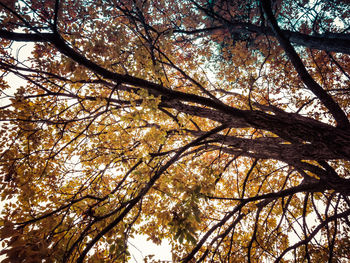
(221, 126)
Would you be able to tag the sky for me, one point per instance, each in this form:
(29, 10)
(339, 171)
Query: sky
(140, 247)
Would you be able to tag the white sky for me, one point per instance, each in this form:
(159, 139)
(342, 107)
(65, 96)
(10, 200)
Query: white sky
(140, 247)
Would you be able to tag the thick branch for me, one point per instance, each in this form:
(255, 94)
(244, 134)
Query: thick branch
(331, 42)
(275, 148)
(326, 99)
(287, 128)
(25, 37)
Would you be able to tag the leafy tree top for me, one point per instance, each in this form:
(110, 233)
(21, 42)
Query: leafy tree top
(221, 126)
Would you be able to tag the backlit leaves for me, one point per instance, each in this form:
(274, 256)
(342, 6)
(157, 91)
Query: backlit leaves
(183, 121)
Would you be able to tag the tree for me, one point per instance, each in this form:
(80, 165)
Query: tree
(219, 125)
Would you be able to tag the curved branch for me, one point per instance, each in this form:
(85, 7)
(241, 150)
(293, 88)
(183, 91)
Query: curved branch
(25, 37)
(332, 106)
(144, 191)
(344, 214)
(243, 201)
(331, 42)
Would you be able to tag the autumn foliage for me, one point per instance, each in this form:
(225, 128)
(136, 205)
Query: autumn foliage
(220, 126)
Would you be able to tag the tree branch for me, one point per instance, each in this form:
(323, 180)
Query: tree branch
(327, 100)
(305, 241)
(336, 42)
(25, 37)
(149, 185)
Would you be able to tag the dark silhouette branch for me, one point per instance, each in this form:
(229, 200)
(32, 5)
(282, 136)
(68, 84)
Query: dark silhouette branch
(331, 42)
(305, 241)
(143, 192)
(325, 98)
